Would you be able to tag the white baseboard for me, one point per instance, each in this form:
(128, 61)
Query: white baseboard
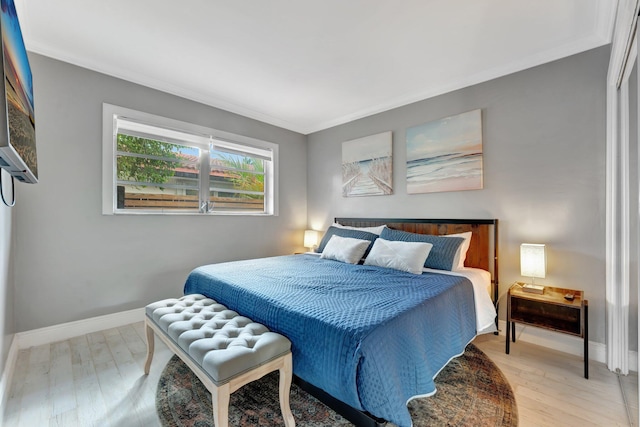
(565, 343)
(7, 376)
(69, 330)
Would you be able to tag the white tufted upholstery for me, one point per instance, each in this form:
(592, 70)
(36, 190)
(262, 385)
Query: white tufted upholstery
(221, 341)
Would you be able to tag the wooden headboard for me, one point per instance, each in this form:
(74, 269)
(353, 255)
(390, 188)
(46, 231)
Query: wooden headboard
(483, 250)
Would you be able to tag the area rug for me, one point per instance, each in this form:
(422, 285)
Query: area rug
(471, 392)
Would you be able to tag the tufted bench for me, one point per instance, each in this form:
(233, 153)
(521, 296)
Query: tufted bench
(225, 350)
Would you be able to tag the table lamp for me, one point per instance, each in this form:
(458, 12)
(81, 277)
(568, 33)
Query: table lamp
(533, 263)
(310, 239)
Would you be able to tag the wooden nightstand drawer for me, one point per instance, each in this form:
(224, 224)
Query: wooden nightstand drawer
(550, 316)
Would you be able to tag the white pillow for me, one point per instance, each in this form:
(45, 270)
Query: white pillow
(405, 256)
(375, 230)
(461, 253)
(345, 249)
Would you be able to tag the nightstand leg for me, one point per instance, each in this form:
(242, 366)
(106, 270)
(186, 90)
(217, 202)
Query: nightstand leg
(513, 332)
(586, 340)
(507, 335)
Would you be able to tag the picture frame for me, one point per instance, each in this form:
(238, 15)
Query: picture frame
(445, 154)
(367, 166)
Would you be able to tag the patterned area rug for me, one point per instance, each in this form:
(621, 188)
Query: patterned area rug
(471, 392)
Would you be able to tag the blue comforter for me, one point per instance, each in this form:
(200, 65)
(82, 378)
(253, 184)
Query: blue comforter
(371, 337)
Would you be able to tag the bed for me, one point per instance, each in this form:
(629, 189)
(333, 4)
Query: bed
(367, 337)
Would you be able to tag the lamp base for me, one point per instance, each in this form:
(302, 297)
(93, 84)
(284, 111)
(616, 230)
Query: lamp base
(534, 289)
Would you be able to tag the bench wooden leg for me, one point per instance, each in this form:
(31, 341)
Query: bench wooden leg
(150, 348)
(286, 375)
(220, 402)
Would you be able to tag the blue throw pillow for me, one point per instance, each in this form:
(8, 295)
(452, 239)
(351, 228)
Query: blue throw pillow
(442, 254)
(347, 232)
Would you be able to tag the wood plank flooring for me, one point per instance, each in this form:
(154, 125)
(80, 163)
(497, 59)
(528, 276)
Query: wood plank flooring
(550, 388)
(98, 380)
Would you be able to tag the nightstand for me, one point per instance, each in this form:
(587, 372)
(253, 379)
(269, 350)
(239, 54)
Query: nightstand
(549, 310)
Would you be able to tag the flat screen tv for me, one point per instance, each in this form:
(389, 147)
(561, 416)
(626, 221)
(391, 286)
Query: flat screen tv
(17, 120)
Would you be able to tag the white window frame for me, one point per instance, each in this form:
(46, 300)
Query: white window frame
(199, 136)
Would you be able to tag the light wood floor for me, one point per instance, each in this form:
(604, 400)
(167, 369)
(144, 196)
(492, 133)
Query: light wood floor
(550, 388)
(97, 380)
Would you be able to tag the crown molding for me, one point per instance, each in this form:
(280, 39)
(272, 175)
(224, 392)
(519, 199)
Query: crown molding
(601, 34)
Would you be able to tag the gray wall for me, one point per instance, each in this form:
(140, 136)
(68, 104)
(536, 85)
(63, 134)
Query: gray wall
(544, 170)
(543, 130)
(71, 262)
(6, 280)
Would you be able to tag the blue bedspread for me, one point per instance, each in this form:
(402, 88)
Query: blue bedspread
(371, 337)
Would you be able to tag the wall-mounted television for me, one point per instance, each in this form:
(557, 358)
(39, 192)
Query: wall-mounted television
(17, 120)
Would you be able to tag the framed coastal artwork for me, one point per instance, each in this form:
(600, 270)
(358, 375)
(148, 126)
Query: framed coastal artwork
(367, 166)
(445, 155)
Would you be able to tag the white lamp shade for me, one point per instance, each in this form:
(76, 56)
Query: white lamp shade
(533, 261)
(310, 238)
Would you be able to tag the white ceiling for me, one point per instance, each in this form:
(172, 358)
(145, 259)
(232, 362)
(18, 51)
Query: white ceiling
(308, 65)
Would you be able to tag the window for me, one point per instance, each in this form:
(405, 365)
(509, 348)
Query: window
(152, 164)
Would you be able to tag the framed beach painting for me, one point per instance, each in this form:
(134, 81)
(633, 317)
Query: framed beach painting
(367, 166)
(445, 155)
